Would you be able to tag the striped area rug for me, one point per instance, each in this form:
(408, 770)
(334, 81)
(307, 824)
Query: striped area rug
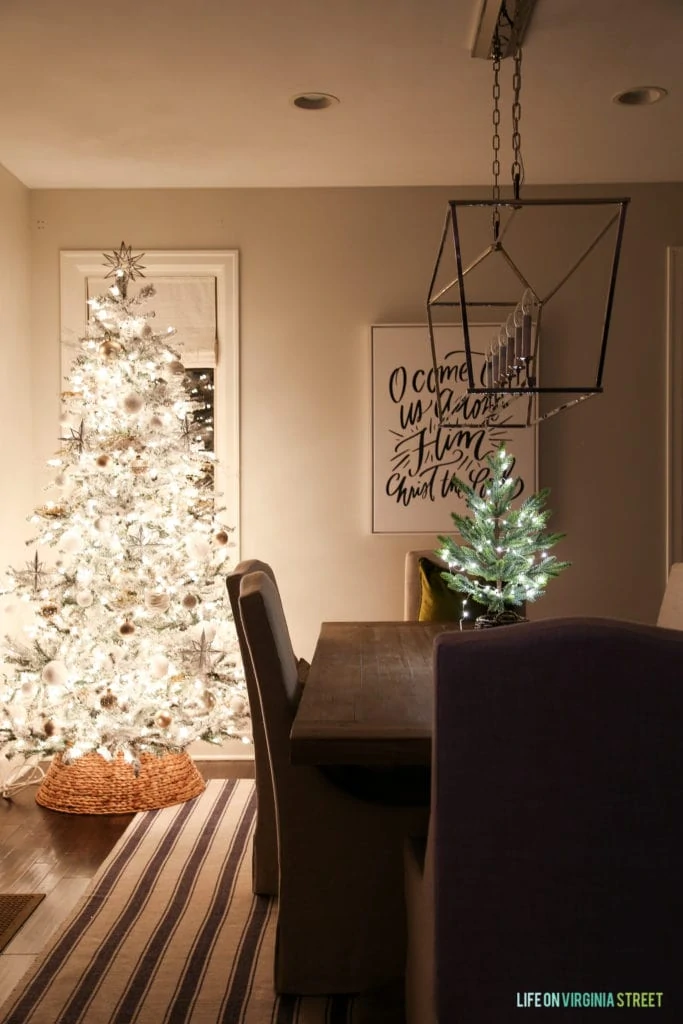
(169, 931)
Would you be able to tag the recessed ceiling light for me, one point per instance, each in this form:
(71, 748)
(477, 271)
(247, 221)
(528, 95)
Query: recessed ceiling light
(314, 101)
(640, 96)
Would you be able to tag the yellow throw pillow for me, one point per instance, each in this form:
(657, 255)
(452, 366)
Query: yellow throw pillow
(438, 602)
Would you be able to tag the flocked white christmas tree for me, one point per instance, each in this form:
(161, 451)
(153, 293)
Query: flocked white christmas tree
(130, 648)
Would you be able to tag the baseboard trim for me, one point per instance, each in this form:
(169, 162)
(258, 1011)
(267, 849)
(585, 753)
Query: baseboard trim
(197, 758)
(222, 757)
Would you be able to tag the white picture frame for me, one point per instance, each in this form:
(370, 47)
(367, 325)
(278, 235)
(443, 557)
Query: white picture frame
(413, 456)
(187, 283)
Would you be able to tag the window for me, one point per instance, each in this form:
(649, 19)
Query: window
(197, 294)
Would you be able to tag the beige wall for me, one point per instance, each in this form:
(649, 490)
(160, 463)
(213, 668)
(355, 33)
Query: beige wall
(318, 267)
(16, 410)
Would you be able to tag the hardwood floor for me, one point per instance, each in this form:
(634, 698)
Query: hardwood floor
(58, 854)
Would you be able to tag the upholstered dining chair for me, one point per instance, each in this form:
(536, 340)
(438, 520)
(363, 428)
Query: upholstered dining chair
(264, 850)
(341, 911)
(552, 864)
(671, 609)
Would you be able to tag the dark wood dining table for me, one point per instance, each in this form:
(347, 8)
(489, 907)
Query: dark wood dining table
(368, 696)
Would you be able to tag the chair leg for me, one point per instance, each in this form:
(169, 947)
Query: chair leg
(343, 929)
(419, 982)
(264, 863)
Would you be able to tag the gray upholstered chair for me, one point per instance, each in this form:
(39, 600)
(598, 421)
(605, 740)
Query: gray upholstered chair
(341, 911)
(553, 857)
(671, 609)
(264, 855)
(419, 893)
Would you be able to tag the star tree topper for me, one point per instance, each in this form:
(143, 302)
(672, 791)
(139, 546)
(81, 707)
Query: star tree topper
(124, 266)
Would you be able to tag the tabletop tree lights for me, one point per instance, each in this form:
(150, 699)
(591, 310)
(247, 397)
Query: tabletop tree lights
(130, 653)
(504, 561)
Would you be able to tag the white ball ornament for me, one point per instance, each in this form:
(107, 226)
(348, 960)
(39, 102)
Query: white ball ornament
(55, 673)
(133, 402)
(84, 598)
(158, 666)
(197, 546)
(237, 705)
(207, 628)
(103, 524)
(71, 542)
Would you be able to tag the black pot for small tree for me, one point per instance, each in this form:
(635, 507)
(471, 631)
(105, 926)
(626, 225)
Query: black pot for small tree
(506, 618)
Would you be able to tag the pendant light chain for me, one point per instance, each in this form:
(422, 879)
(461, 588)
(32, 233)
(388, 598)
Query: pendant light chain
(495, 165)
(504, 378)
(517, 163)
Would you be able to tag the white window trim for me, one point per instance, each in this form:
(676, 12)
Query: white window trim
(75, 269)
(674, 406)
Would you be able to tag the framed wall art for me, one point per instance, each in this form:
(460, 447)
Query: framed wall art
(414, 458)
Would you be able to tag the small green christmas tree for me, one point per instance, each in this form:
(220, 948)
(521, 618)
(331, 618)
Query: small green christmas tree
(508, 550)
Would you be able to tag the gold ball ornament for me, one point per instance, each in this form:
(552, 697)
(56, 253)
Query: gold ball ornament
(110, 348)
(176, 367)
(49, 728)
(221, 538)
(157, 601)
(163, 719)
(133, 402)
(189, 602)
(103, 461)
(126, 628)
(209, 699)
(48, 610)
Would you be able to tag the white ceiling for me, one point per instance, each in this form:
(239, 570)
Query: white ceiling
(178, 94)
